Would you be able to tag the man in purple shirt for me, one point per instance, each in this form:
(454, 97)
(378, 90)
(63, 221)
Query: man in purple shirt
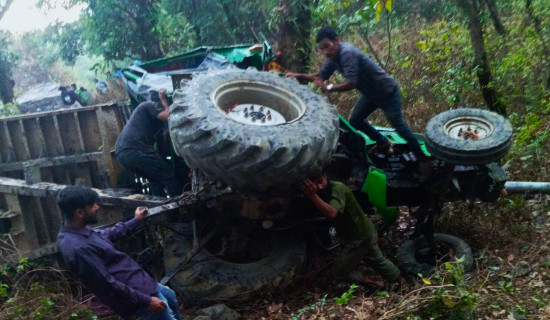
(115, 278)
(378, 89)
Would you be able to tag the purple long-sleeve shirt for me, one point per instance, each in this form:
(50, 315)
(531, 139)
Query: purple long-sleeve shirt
(113, 276)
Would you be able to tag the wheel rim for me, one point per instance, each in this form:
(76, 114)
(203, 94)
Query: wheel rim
(257, 103)
(466, 128)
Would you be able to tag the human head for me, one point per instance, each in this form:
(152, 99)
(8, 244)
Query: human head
(73, 86)
(328, 42)
(321, 181)
(74, 198)
(154, 95)
(62, 89)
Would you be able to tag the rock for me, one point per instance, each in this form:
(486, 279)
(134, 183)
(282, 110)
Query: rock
(217, 312)
(522, 268)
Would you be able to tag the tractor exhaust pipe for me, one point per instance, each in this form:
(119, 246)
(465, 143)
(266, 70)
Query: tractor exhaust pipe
(527, 187)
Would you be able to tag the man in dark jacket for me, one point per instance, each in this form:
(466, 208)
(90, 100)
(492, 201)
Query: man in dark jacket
(113, 276)
(378, 89)
(68, 96)
(135, 145)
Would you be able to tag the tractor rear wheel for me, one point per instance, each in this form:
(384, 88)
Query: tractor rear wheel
(255, 131)
(236, 263)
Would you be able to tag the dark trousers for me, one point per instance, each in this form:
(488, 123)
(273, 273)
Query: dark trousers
(150, 164)
(391, 106)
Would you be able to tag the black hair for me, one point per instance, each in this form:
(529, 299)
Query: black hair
(72, 198)
(62, 88)
(73, 85)
(326, 32)
(154, 95)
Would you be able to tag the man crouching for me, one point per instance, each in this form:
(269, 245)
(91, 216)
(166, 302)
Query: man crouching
(336, 202)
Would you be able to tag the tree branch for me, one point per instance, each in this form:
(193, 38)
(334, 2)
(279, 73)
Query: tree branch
(5, 8)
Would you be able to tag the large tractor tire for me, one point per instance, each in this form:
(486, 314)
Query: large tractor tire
(468, 136)
(417, 256)
(255, 131)
(235, 264)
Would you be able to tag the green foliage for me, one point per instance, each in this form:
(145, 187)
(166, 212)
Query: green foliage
(224, 22)
(31, 291)
(178, 35)
(346, 296)
(8, 110)
(68, 38)
(452, 298)
(120, 29)
(319, 304)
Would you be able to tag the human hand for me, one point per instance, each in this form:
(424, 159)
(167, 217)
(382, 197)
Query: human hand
(139, 214)
(157, 305)
(162, 94)
(319, 83)
(308, 187)
(289, 74)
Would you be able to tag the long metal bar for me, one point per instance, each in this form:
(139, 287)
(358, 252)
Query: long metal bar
(527, 187)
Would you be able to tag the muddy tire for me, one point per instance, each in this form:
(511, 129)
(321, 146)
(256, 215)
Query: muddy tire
(291, 137)
(210, 277)
(415, 256)
(448, 137)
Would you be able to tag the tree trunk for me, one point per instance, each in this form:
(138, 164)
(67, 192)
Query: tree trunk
(6, 82)
(481, 64)
(545, 50)
(493, 10)
(294, 27)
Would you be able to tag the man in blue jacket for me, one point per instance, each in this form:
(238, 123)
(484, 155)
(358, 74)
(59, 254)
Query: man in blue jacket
(113, 276)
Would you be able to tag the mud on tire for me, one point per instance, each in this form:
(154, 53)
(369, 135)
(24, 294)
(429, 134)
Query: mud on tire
(212, 132)
(415, 256)
(488, 140)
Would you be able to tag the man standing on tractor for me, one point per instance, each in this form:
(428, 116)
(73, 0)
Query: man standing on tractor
(135, 145)
(378, 89)
(336, 202)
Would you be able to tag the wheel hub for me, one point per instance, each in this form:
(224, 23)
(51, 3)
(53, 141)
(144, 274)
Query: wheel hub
(255, 115)
(257, 103)
(465, 128)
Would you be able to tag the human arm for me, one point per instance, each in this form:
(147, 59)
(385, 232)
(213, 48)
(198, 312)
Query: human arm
(340, 87)
(310, 190)
(163, 115)
(303, 76)
(121, 229)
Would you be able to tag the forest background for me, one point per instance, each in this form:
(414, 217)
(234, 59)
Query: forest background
(444, 54)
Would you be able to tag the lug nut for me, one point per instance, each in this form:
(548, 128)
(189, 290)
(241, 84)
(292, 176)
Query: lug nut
(246, 114)
(245, 110)
(268, 113)
(252, 107)
(261, 108)
(268, 116)
(253, 119)
(263, 119)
